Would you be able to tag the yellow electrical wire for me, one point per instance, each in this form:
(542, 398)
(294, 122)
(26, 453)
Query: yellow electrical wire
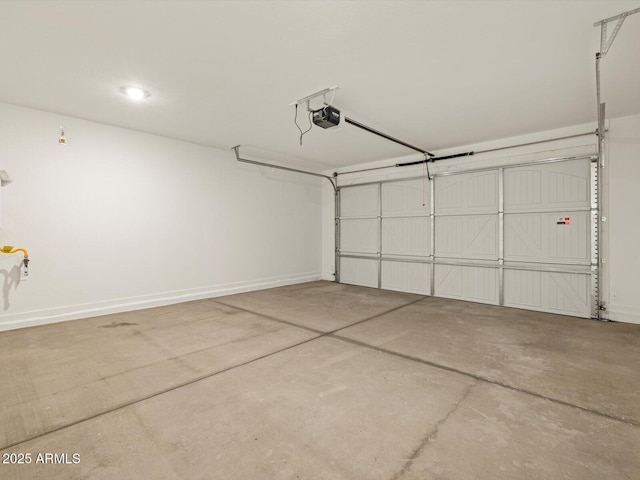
(9, 249)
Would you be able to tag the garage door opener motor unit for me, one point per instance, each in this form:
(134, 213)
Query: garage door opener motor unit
(326, 117)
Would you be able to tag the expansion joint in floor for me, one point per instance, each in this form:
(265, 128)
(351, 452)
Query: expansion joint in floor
(333, 334)
(487, 380)
(319, 334)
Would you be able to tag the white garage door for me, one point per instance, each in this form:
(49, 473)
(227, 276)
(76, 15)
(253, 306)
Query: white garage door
(466, 225)
(520, 236)
(548, 224)
(385, 236)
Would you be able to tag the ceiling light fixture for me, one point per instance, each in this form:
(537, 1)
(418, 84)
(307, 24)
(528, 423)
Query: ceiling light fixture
(135, 93)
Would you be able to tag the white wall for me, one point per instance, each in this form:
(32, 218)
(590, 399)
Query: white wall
(624, 219)
(119, 220)
(619, 277)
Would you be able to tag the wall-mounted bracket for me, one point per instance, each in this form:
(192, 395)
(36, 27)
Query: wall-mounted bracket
(605, 44)
(308, 98)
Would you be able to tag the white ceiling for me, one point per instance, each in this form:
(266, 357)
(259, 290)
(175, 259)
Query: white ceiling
(436, 74)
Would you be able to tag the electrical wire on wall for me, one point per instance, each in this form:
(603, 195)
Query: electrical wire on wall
(295, 120)
(325, 104)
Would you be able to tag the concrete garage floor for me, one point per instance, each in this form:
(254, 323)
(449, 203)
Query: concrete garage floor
(323, 381)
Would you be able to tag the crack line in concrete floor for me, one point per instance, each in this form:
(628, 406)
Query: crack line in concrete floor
(203, 377)
(268, 317)
(156, 394)
(432, 434)
(330, 334)
(321, 332)
(487, 380)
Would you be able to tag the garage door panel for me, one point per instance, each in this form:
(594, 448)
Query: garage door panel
(523, 289)
(563, 293)
(544, 237)
(483, 224)
(406, 236)
(467, 237)
(477, 284)
(359, 236)
(568, 293)
(467, 193)
(359, 201)
(359, 271)
(560, 185)
(406, 277)
(409, 197)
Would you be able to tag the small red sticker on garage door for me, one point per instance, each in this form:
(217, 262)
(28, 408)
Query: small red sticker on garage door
(563, 220)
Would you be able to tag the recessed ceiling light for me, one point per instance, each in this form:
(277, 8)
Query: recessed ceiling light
(135, 93)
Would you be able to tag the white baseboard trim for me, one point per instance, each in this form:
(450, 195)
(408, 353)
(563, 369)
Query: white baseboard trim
(328, 276)
(87, 310)
(623, 313)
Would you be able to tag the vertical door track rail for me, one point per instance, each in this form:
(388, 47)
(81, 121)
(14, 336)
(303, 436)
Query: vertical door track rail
(605, 45)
